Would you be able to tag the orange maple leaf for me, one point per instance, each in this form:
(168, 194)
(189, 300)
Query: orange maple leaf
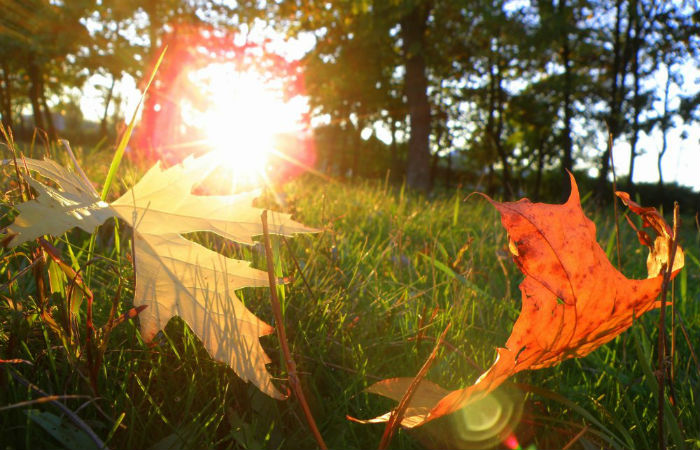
(573, 299)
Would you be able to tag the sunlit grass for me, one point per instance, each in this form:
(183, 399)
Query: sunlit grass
(383, 263)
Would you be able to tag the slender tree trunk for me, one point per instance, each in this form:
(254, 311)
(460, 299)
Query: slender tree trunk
(413, 27)
(34, 92)
(47, 111)
(665, 125)
(619, 73)
(448, 174)
(357, 148)
(567, 161)
(540, 167)
(490, 185)
(635, 125)
(155, 25)
(348, 150)
(394, 151)
(434, 162)
(105, 113)
(494, 127)
(636, 98)
(6, 96)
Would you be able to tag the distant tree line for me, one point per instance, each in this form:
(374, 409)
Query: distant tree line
(500, 92)
(504, 90)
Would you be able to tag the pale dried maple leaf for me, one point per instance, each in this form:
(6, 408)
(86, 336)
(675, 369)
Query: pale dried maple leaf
(174, 276)
(573, 300)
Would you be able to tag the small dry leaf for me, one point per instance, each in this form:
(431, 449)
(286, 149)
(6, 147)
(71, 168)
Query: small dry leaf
(174, 276)
(573, 299)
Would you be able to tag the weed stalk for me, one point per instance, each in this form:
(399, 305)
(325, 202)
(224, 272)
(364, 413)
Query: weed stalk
(282, 335)
(397, 414)
(661, 362)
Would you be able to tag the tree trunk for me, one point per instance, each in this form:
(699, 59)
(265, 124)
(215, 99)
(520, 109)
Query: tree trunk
(494, 125)
(108, 100)
(636, 99)
(435, 161)
(6, 97)
(665, 125)
(540, 167)
(619, 73)
(448, 173)
(34, 92)
(567, 160)
(413, 27)
(394, 151)
(47, 111)
(635, 125)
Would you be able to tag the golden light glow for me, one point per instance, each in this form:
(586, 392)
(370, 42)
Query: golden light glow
(240, 116)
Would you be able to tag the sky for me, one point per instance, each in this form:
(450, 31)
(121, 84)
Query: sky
(681, 163)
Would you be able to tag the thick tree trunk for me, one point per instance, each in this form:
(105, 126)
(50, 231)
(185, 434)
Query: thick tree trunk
(413, 27)
(35, 92)
(47, 111)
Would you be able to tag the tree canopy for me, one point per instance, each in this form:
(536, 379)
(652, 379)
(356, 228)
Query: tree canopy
(500, 92)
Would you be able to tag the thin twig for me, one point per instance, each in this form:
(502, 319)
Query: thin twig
(661, 362)
(282, 335)
(397, 414)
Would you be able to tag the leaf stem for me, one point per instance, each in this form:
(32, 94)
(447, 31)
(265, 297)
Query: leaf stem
(282, 335)
(661, 362)
(615, 211)
(397, 414)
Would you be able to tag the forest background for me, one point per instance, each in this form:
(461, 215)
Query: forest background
(495, 95)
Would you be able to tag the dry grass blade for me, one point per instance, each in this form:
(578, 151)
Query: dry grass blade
(282, 335)
(47, 399)
(398, 413)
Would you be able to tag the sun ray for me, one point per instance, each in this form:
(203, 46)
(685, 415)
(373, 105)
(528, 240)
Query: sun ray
(242, 114)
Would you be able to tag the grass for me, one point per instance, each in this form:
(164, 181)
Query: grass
(387, 273)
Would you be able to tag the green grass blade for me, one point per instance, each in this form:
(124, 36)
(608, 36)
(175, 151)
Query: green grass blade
(116, 160)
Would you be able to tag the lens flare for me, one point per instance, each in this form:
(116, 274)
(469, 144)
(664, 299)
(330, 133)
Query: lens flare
(240, 100)
(484, 423)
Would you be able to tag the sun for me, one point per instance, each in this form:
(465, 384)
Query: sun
(240, 115)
